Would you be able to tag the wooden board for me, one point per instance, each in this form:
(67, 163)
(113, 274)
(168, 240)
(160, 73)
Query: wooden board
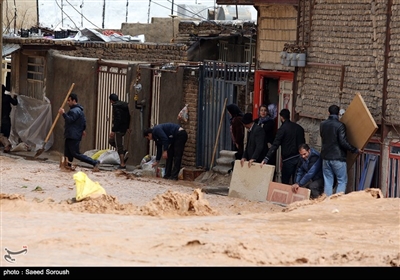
(282, 193)
(360, 126)
(251, 182)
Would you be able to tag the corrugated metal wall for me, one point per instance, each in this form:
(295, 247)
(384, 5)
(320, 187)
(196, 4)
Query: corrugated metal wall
(218, 81)
(112, 79)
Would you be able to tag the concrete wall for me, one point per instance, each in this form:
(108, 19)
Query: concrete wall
(160, 30)
(26, 15)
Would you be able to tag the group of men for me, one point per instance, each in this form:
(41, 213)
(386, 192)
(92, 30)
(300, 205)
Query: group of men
(303, 166)
(75, 126)
(170, 138)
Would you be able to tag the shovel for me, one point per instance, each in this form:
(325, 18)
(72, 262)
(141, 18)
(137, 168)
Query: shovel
(40, 151)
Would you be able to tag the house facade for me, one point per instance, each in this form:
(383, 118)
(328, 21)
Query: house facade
(171, 75)
(350, 47)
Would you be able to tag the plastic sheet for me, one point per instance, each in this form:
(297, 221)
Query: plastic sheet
(85, 187)
(31, 121)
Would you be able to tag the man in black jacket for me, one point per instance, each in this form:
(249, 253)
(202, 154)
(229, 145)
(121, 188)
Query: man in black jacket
(334, 151)
(289, 136)
(255, 146)
(7, 101)
(120, 125)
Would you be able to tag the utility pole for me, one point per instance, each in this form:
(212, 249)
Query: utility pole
(148, 12)
(37, 13)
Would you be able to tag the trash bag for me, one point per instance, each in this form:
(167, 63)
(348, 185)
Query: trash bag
(85, 187)
(147, 162)
(109, 157)
(183, 114)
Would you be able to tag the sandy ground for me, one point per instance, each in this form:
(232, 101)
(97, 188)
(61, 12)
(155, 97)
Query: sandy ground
(148, 221)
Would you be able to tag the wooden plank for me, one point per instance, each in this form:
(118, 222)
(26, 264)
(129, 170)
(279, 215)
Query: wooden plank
(360, 126)
(282, 193)
(251, 182)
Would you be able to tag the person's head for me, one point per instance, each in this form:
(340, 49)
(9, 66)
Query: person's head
(148, 134)
(272, 111)
(234, 110)
(304, 151)
(113, 97)
(334, 110)
(285, 115)
(247, 120)
(72, 99)
(263, 111)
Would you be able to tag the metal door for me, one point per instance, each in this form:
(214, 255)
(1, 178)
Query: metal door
(218, 81)
(111, 79)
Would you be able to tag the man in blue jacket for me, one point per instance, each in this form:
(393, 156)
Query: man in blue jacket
(74, 129)
(170, 139)
(309, 172)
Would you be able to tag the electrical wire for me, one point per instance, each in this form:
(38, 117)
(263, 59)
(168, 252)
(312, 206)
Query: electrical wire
(204, 19)
(62, 10)
(197, 14)
(81, 15)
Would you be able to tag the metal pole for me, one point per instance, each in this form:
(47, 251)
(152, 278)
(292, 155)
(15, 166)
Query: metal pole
(15, 19)
(148, 12)
(37, 13)
(172, 8)
(126, 13)
(1, 47)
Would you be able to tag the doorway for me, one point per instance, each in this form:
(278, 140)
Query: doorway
(272, 87)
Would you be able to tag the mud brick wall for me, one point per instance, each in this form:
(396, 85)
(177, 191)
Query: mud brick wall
(393, 88)
(148, 52)
(131, 51)
(350, 33)
(276, 26)
(190, 30)
(190, 89)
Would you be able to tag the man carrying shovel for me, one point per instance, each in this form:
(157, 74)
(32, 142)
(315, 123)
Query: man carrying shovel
(75, 125)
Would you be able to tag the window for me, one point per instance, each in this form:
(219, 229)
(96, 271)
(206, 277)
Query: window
(35, 77)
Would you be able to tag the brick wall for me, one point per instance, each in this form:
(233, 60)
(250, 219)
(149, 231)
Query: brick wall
(190, 89)
(276, 26)
(149, 52)
(350, 33)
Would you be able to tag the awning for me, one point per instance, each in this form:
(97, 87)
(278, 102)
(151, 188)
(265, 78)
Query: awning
(10, 48)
